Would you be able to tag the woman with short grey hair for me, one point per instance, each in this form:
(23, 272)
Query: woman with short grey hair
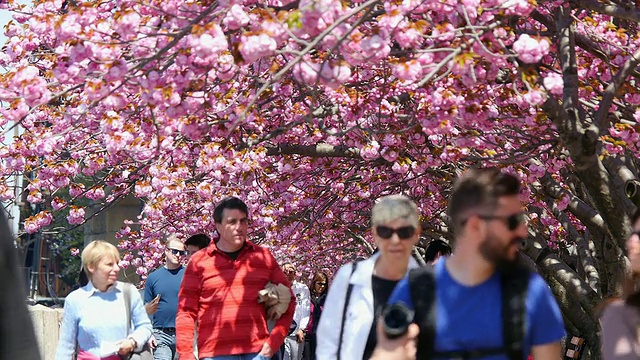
(360, 290)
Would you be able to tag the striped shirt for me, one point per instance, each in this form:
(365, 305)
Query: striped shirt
(222, 296)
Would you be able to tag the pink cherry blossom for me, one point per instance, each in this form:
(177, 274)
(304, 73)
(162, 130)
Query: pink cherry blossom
(211, 42)
(236, 18)
(76, 189)
(530, 50)
(76, 215)
(534, 97)
(554, 83)
(336, 75)
(370, 152)
(375, 48)
(254, 47)
(517, 7)
(410, 70)
(306, 72)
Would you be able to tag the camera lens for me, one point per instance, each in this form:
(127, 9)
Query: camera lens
(396, 318)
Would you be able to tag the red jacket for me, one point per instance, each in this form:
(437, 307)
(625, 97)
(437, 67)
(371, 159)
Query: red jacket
(222, 295)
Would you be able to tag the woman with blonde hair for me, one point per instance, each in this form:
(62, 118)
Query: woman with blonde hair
(360, 290)
(94, 326)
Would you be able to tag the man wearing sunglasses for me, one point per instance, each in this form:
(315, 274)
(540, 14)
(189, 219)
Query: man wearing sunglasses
(161, 299)
(459, 303)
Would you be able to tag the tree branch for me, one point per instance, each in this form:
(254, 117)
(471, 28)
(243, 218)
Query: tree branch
(581, 137)
(551, 265)
(588, 215)
(601, 116)
(609, 9)
(584, 254)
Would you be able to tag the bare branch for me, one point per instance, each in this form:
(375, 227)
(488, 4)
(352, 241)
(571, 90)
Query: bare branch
(601, 116)
(588, 215)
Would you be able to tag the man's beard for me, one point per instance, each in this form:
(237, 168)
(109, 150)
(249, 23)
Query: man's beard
(493, 250)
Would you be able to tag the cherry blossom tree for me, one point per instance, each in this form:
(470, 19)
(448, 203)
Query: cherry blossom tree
(311, 109)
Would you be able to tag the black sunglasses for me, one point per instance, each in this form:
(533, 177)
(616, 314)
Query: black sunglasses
(512, 221)
(321, 283)
(177, 252)
(404, 232)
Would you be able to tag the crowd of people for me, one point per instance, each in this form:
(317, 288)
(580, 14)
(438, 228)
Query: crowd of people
(230, 299)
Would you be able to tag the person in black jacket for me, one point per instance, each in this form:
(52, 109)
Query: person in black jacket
(318, 289)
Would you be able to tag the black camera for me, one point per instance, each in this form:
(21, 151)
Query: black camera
(396, 319)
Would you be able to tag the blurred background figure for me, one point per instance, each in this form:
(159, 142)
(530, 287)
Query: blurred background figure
(436, 249)
(294, 342)
(17, 339)
(621, 317)
(318, 289)
(196, 242)
(161, 299)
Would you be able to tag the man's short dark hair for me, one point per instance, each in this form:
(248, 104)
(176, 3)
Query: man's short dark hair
(477, 191)
(436, 247)
(199, 240)
(232, 203)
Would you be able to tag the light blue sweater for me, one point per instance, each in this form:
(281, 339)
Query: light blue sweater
(97, 320)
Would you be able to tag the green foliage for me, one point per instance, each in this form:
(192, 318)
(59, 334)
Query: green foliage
(64, 245)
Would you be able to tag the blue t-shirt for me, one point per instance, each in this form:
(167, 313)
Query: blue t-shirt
(470, 317)
(166, 283)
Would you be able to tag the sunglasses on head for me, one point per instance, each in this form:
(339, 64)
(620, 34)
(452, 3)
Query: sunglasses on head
(512, 221)
(404, 232)
(177, 252)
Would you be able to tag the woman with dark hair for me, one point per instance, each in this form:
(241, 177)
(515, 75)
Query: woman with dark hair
(621, 318)
(318, 289)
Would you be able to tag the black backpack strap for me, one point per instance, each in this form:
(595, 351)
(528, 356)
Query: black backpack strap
(346, 305)
(515, 285)
(422, 287)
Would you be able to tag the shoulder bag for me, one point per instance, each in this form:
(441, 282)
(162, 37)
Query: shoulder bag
(145, 353)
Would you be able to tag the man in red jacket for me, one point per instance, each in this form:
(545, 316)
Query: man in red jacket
(220, 291)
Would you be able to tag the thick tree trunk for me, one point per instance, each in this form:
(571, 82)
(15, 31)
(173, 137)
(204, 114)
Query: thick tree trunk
(577, 300)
